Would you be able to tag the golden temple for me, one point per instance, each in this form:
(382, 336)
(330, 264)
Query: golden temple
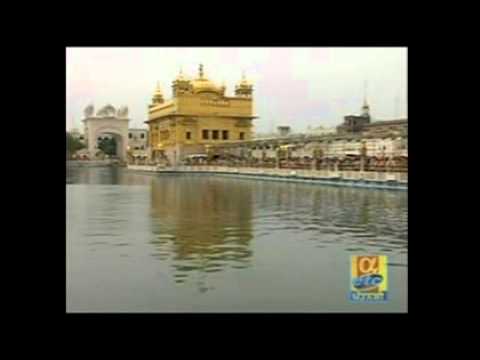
(198, 116)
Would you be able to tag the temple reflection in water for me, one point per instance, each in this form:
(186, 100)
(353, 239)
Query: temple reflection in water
(203, 226)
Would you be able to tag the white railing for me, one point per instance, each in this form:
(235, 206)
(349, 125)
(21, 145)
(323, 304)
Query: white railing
(347, 175)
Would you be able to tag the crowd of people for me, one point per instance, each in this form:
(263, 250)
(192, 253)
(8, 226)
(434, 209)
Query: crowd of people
(347, 163)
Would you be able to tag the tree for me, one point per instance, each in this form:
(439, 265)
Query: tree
(108, 146)
(73, 144)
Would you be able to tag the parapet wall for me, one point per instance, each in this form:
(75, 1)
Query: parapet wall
(91, 163)
(387, 180)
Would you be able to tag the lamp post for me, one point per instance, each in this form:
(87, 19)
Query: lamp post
(363, 155)
(159, 149)
(317, 157)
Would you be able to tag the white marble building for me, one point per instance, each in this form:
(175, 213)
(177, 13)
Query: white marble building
(108, 121)
(137, 139)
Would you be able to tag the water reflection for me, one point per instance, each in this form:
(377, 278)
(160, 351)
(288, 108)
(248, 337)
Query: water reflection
(106, 176)
(202, 225)
(149, 242)
(205, 224)
(358, 220)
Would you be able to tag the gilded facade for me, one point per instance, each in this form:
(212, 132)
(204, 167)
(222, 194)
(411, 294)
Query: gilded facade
(198, 116)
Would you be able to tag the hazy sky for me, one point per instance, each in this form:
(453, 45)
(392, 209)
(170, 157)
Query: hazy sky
(292, 86)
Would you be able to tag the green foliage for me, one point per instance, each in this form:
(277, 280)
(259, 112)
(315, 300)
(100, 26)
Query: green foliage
(108, 146)
(73, 144)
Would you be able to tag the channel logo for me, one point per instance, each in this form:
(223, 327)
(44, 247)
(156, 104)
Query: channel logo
(368, 281)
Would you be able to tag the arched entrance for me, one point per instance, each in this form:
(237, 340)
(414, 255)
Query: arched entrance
(120, 152)
(107, 121)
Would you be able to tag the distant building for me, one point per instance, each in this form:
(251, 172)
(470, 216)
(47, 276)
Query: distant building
(284, 130)
(137, 139)
(321, 130)
(138, 143)
(264, 135)
(355, 123)
(392, 127)
(362, 124)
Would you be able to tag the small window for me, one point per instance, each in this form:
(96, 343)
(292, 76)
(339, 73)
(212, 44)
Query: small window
(136, 148)
(129, 135)
(81, 137)
(205, 134)
(142, 135)
(188, 135)
(225, 134)
(242, 136)
(99, 138)
(142, 147)
(215, 134)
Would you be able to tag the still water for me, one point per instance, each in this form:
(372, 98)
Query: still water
(202, 243)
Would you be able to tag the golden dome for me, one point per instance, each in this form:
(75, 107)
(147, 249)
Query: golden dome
(203, 84)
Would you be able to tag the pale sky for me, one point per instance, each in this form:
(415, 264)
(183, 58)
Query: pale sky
(299, 87)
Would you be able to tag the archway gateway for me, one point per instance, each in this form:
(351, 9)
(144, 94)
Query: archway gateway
(107, 121)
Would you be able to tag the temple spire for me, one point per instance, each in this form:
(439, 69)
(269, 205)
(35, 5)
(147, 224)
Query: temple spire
(365, 104)
(157, 95)
(365, 107)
